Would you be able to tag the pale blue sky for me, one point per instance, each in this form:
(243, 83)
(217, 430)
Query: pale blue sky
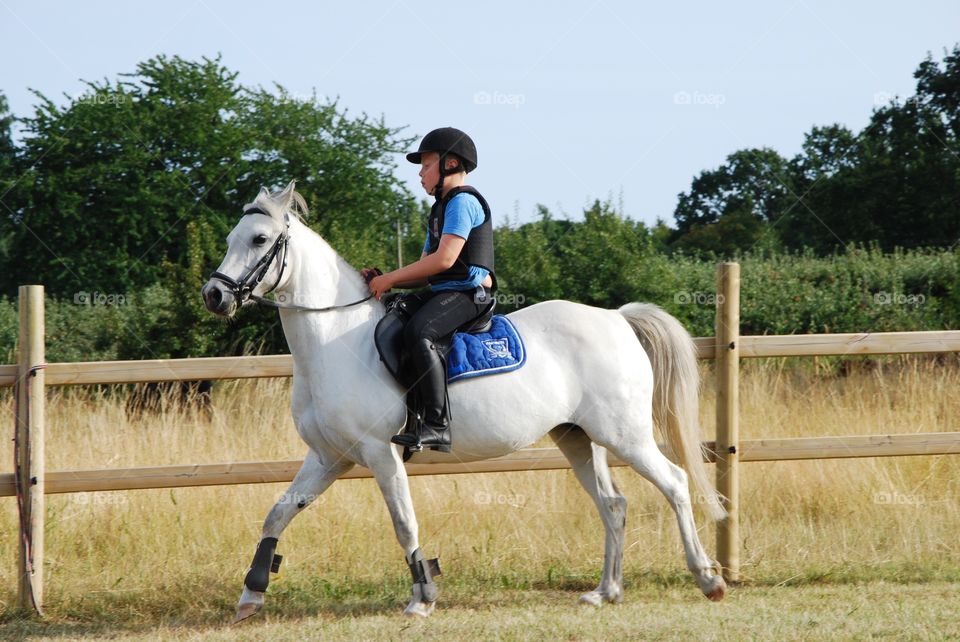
(568, 101)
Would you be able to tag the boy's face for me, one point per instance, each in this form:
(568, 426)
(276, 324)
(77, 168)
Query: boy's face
(429, 171)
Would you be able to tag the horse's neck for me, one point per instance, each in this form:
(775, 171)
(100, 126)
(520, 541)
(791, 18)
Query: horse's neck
(319, 277)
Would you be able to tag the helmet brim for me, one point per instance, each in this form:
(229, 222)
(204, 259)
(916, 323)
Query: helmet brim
(417, 157)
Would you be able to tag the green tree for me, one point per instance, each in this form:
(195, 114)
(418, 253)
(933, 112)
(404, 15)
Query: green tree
(602, 255)
(726, 208)
(7, 148)
(527, 262)
(896, 183)
(7, 179)
(137, 182)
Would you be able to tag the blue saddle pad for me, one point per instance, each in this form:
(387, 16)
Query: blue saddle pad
(475, 355)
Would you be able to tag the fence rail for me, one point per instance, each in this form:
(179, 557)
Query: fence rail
(32, 482)
(269, 472)
(281, 365)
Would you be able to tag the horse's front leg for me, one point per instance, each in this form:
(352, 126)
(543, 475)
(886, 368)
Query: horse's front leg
(312, 479)
(392, 479)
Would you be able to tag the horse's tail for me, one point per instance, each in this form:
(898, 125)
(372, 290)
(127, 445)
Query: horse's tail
(676, 393)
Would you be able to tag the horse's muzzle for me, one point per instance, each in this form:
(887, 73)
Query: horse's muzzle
(218, 299)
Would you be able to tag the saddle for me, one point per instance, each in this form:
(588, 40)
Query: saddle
(388, 337)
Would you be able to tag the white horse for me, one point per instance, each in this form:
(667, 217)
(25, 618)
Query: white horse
(588, 382)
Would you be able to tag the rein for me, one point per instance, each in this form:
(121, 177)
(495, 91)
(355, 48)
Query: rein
(243, 287)
(282, 306)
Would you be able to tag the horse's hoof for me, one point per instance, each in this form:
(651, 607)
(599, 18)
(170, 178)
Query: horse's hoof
(419, 609)
(245, 611)
(250, 604)
(718, 593)
(598, 596)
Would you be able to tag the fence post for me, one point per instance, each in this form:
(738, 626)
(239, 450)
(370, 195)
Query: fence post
(28, 444)
(728, 418)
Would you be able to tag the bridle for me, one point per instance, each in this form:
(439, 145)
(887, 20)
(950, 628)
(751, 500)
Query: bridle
(243, 287)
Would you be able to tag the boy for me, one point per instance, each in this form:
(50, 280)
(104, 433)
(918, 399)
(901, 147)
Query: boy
(456, 264)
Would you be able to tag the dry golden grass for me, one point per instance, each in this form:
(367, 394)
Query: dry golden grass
(177, 557)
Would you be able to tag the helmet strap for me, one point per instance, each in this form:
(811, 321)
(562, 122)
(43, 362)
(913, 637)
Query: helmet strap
(442, 167)
(444, 172)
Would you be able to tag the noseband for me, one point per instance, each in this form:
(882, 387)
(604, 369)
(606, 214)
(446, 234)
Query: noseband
(243, 287)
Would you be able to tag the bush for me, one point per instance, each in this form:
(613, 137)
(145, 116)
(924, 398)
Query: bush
(860, 290)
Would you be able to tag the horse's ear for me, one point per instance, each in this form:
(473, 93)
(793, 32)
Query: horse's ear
(264, 192)
(285, 198)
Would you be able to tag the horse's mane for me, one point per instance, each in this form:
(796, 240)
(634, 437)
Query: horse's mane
(299, 209)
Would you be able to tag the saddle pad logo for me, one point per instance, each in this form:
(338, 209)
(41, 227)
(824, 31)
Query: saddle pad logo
(497, 348)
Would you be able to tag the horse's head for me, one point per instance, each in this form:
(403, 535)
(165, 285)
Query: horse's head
(256, 252)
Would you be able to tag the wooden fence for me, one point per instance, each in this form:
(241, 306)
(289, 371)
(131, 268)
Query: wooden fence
(30, 482)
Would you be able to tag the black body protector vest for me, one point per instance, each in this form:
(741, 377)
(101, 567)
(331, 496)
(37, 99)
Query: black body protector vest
(478, 250)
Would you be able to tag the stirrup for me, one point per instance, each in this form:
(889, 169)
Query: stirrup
(415, 443)
(410, 437)
(408, 440)
(438, 440)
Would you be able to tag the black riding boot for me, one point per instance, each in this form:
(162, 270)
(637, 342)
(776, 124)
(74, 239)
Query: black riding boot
(431, 431)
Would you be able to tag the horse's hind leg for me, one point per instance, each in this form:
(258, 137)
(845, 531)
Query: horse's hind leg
(312, 479)
(644, 456)
(589, 463)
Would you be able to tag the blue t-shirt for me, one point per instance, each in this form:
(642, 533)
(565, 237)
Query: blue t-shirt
(463, 213)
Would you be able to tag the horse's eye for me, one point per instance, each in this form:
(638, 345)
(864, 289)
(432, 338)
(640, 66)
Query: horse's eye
(259, 239)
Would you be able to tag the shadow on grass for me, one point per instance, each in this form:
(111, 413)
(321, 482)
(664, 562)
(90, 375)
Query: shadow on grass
(202, 603)
(900, 573)
(209, 603)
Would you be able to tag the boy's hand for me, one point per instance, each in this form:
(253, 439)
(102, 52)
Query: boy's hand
(380, 285)
(369, 273)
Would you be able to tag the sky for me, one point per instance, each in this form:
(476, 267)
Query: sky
(567, 101)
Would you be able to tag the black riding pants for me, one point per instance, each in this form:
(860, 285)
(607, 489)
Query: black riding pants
(436, 315)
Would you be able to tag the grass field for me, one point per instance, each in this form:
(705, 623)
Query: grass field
(844, 548)
(874, 610)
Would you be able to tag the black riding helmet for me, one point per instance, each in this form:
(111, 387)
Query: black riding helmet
(447, 141)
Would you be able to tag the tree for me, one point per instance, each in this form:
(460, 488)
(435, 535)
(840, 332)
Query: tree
(527, 263)
(732, 233)
(601, 256)
(7, 179)
(896, 183)
(137, 182)
(938, 87)
(7, 149)
(753, 187)
(825, 210)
